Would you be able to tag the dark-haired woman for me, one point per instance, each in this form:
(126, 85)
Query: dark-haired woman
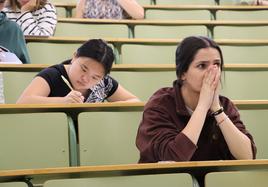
(85, 79)
(35, 17)
(190, 121)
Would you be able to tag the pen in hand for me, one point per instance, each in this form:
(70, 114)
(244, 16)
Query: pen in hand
(76, 96)
(66, 82)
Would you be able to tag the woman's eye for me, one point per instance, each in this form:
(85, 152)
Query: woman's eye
(83, 69)
(201, 66)
(95, 78)
(217, 64)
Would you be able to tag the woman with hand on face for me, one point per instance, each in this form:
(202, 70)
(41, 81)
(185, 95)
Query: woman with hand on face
(191, 121)
(35, 17)
(85, 79)
(109, 9)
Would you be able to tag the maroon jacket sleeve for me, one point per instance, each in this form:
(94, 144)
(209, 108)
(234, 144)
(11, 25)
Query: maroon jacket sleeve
(160, 139)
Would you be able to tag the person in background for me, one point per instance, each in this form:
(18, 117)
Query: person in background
(109, 9)
(11, 37)
(191, 121)
(260, 2)
(35, 17)
(84, 78)
(255, 2)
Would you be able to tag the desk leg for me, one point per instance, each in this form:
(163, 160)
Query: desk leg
(198, 179)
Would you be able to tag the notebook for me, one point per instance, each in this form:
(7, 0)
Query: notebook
(7, 57)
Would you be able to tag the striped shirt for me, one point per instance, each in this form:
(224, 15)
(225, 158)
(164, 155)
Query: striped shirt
(41, 22)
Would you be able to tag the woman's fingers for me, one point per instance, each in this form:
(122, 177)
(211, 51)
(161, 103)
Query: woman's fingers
(75, 97)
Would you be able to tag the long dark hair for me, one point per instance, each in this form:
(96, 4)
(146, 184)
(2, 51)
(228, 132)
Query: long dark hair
(187, 50)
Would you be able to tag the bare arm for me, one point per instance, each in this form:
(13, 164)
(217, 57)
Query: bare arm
(38, 91)
(264, 2)
(238, 143)
(80, 7)
(121, 94)
(260, 2)
(135, 10)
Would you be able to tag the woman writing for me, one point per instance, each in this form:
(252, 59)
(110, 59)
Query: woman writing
(84, 78)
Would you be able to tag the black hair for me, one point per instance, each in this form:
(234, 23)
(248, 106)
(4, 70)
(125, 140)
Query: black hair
(98, 50)
(187, 50)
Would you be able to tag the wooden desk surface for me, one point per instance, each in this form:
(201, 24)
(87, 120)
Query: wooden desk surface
(97, 107)
(134, 67)
(184, 7)
(137, 169)
(145, 41)
(70, 108)
(164, 22)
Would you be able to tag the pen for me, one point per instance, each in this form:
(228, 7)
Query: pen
(66, 82)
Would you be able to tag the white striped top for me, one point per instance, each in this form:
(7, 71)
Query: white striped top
(41, 22)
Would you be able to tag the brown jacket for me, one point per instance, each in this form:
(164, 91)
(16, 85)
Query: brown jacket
(159, 136)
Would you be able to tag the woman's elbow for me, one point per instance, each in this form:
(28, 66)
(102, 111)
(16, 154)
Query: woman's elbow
(21, 100)
(133, 100)
(139, 14)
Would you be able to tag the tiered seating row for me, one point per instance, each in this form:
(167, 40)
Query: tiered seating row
(131, 76)
(152, 51)
(164, 29)
(48, 142)
(188, 11)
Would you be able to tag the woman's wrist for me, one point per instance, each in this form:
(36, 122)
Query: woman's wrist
(221, 118)
(217, 111)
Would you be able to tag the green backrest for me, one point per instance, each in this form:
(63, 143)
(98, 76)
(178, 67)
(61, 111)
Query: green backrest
(52, 53)
(242, 15)
(241, 32)
(235, 84)
(13, 184)
(144, 2)
(256, 123)
(172, 32)
(92, 30)
(246, 85)
(34, 140)
(231, 2)
(245, 54)
(178, 14)
(180, 2)
(150, 54)
(157, 180)
(15, 83)
(62, 12)
(237, 178)
(108, 137)
(143, 84)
